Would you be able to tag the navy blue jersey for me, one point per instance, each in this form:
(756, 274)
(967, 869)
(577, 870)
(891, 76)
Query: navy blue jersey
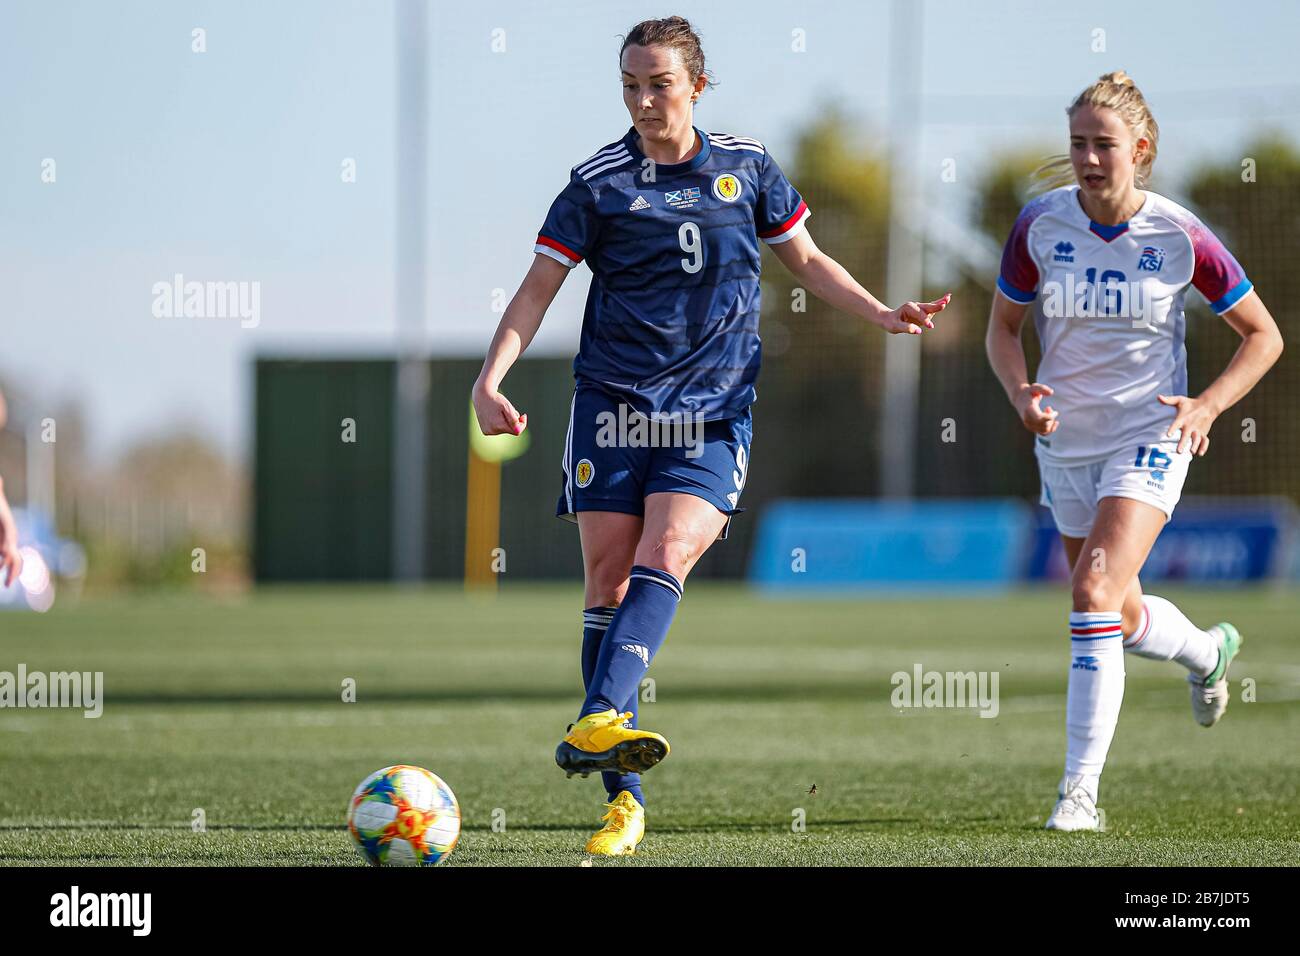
(671, 324)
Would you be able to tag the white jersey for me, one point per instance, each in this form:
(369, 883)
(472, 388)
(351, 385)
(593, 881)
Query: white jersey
(1108, 308)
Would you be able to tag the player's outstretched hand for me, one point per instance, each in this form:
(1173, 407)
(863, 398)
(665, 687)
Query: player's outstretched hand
(913, 318)
(11, 563)
(496, 416)
(1194, 419)
(1039, 419)
(11, 559)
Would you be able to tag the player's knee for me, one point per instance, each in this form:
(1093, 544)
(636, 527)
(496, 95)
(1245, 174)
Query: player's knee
(1093, 591)
(674, 551)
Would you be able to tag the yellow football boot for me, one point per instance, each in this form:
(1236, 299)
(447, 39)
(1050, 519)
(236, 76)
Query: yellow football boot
(623, 830)
(603, 742)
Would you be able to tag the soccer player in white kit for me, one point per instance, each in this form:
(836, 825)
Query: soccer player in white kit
(1104, 266)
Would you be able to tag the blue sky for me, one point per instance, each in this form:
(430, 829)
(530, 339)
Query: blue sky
(225, 165)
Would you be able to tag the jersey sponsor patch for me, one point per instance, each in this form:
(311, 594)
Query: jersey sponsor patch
(682, 198)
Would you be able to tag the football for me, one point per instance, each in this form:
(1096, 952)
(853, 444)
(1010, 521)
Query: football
(404, 816)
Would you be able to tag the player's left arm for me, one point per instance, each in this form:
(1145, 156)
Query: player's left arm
(829, 281)
(1261, 344)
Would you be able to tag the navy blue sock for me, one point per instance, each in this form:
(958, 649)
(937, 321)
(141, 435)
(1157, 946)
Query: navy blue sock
(616, 782)
(595, 622)
(635, 634)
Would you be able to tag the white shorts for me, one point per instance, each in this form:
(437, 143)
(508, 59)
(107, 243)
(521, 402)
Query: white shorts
(1150, 473)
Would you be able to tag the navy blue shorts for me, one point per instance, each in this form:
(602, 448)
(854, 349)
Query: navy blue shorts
(614, 457)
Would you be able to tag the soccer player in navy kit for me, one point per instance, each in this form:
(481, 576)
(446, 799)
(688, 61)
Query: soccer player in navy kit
(669, 219)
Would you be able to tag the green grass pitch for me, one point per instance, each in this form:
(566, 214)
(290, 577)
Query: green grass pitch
(235, 707)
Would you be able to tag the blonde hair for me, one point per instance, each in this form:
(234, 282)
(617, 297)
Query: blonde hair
(1118, 92)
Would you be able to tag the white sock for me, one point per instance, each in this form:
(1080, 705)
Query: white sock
(1096, 691)
(1165, 634)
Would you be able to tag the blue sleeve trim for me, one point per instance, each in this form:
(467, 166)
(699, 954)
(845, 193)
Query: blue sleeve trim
(1234, 295)
(1014, 294)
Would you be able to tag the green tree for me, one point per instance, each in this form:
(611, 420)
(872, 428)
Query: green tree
(818, 389)
(1252, 204)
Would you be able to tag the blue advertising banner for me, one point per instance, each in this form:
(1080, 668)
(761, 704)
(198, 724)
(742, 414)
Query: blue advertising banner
(1208, 539)
(851, 544)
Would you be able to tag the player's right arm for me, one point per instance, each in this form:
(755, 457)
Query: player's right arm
(1007, 357)
(1018, 280)
(522, 319)
(570, 233)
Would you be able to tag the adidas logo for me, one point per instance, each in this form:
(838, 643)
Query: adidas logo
(640, 650)
(639, 204)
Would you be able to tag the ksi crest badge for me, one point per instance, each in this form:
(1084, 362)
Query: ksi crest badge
(1153, 257)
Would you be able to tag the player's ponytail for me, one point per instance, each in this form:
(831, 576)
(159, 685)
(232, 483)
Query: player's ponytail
(1118, 92)
(674, 32)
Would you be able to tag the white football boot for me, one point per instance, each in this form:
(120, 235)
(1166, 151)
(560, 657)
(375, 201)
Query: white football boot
(1210, 694)
(1076, 809)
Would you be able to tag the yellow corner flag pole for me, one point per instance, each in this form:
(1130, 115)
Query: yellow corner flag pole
(483, 560)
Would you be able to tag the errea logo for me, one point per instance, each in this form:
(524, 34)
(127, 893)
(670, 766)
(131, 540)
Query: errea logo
(1064, 252)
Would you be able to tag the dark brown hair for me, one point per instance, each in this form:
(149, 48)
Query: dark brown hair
(676, 33)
